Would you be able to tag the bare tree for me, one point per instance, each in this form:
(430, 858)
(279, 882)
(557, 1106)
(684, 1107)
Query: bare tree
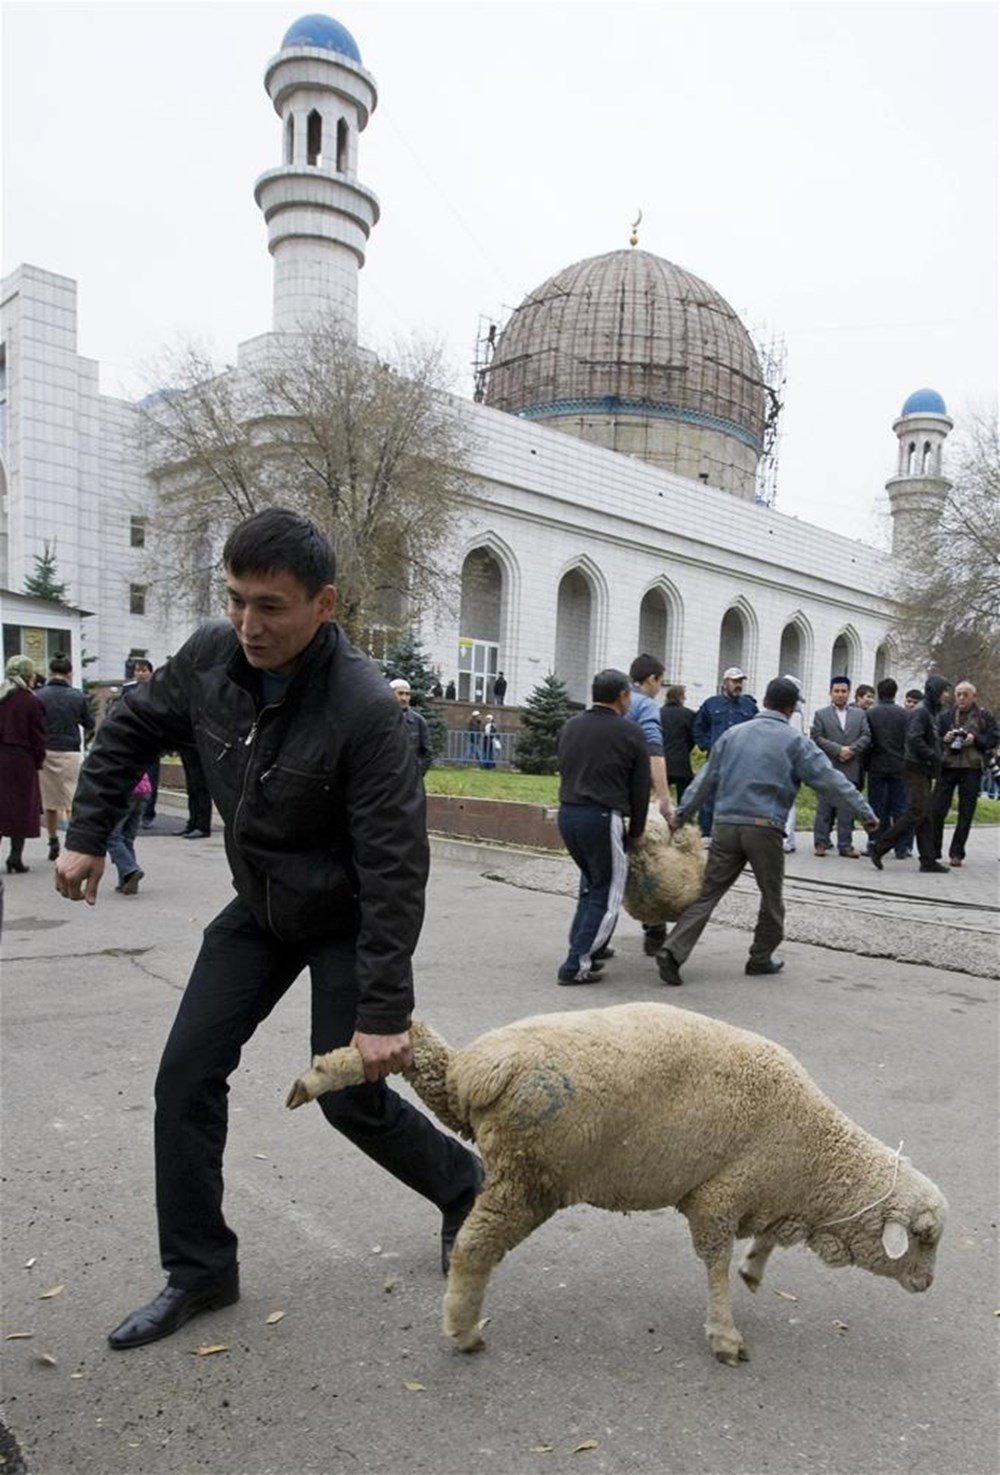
(375, 451)
(948, 585)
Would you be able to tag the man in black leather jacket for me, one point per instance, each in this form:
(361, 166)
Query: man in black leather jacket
(921, 767)
(312, 770)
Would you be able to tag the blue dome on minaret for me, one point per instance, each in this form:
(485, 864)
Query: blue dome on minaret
(323, 32)
(924, 402)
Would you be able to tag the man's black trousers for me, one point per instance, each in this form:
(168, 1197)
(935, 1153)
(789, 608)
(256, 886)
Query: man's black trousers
(240, 974)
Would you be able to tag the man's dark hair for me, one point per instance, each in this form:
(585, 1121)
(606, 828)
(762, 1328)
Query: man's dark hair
(280, 541)
(142, 663)
(781, 694)
(643, 667)
(887, 690)
(60, 664)
(607, 686)
(840, 681)
(915, 694)
(676, 695)
(863, 691)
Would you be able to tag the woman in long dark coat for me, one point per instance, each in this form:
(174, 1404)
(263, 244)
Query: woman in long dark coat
(22, 753)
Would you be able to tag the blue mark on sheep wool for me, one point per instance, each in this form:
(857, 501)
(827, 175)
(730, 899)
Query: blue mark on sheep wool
(541, 1096)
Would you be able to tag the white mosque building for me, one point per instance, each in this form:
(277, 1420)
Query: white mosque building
(612, 503)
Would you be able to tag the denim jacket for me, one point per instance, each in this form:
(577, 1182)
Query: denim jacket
(754, 772)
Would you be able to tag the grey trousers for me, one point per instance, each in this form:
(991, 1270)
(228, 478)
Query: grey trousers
(733, 847)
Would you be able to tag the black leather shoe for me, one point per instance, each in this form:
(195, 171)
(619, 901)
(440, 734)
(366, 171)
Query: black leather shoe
(454, 1217)
(769, 965)
(875, 856)
(169, 1311)
(670, 969)
(935, 868)
(604, 953)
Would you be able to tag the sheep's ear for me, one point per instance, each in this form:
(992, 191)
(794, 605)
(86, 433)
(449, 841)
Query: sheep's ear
(895, 1240)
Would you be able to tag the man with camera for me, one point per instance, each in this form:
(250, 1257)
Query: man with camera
(968, 735)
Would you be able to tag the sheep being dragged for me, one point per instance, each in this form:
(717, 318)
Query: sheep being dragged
(665, 871)
(644, 1106)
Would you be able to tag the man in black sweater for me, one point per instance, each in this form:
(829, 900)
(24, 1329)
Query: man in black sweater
(922, 765)
(604, 769)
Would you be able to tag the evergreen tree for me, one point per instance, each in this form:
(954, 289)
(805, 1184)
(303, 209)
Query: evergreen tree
(408, 659)
(43, 582)
(542, 717)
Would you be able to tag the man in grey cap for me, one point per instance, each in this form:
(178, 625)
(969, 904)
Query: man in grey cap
(717, 715)
(416, 725)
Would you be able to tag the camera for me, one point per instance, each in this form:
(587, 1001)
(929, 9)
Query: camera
(958, 740)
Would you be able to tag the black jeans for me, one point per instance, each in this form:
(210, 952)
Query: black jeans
(887, 796)
(198, 797)
(917, 818)
(733, 847)
(239, 975)
(968, 782)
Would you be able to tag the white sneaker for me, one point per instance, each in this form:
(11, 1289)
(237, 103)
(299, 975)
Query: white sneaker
(788, 846)
(706, 840)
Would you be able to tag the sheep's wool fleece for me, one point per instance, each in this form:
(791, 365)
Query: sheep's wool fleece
(664, 870)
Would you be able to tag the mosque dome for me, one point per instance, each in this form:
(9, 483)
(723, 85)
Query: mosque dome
(639, 355)
(323, 32)
(924, 402)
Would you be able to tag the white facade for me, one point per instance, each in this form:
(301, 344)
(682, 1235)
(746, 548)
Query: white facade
(590, 556)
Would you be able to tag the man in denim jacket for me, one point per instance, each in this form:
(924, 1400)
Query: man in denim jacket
(753, 773)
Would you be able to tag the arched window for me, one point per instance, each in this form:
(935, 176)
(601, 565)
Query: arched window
(791, 653)
(840, 658)
(653, 620)
(883, 661)
(479, 626)
(574, 634)
(926, 463)
(733, 643)
(314, 138)
(911, 452)
(290, 139)
(342, 137)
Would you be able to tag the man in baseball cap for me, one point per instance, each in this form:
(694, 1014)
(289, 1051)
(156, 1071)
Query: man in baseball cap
(714, 717)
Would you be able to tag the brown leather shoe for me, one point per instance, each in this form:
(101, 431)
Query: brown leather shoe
(850, 853)
(820, 850)
(954, 860)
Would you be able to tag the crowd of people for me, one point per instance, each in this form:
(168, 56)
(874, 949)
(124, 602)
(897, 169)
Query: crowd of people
(911, 760)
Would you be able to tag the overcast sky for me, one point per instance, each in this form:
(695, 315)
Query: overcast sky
(830, 168)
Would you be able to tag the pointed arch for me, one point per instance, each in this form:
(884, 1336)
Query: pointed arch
(845, 655)
(581, 625)
(489, 577)
(738, 639)
(795, 653)
(886, 659)
(661, 615)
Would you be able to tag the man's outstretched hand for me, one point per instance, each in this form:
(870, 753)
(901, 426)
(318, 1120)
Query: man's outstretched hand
(78, 876)
(382, 1054)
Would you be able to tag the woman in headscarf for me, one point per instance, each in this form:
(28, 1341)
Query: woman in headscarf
(22, 753)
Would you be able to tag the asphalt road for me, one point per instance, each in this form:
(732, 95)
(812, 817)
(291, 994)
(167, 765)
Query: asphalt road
(596, 1331)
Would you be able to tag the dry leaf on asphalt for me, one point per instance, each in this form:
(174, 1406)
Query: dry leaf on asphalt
(46, 1359)
(389, 1286)
(210, 1348)
(786, 1295)
(274, 1317)
(28, 1263)
(841, 1326)
(587, 1444)
(53, 1291)
(541, 1449)
(414, 1387)
(78, 1375)
(18, 1336)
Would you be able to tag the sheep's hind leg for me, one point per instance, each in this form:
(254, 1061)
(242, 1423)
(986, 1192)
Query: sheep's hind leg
(495, 1225)
(754, 1261)
(723, 1337)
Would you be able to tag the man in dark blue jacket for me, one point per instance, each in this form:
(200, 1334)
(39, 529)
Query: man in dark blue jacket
(313, 772)
(717, 715)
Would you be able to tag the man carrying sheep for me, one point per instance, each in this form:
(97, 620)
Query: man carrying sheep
(752, 776)
(604, 768)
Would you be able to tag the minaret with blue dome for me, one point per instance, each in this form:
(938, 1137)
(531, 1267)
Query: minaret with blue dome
(919, 488)
(318, 216)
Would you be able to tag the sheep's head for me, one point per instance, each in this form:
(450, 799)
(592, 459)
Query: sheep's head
(897, 1238)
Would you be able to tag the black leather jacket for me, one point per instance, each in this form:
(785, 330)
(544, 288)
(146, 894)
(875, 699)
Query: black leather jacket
(320, 794)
